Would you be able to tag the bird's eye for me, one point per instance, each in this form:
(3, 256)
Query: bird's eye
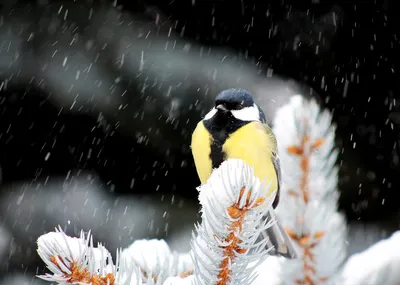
(232, 106)
(239, 106)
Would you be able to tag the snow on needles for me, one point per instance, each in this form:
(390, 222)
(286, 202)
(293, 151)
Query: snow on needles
(156, 261)
(76, 261)
(225, 250)
(308, 207)
(305, 138)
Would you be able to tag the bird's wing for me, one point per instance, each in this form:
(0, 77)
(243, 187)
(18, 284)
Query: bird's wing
(275, 160)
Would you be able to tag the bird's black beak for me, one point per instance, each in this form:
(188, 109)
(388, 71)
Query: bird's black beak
(221, 108)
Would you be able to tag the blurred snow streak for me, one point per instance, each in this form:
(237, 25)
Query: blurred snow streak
(4, 242)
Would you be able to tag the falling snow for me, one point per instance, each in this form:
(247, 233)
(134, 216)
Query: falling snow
(98, 104)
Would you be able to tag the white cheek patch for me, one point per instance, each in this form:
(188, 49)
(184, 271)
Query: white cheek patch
(247, 114)
(210, 114)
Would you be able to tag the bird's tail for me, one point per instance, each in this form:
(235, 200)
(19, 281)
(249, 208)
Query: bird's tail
(278, 240)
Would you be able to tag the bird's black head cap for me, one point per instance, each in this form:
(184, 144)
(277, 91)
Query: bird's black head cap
(234, 99)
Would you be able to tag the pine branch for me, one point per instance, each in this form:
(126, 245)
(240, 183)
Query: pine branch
(156, 261)
(308, 208)
(77, 261)
(225, 251)
(233, 203)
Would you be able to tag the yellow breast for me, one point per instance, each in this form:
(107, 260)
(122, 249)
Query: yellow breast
(252, 144)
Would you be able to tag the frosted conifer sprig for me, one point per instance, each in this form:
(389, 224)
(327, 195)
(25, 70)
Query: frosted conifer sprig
(233, 202)
(308, 207)
(76, 261)
(306, 135)
(156, 261)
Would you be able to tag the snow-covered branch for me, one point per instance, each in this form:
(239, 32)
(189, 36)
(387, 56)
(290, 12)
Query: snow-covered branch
(77, 261)
(308, 208)
(306, 137)
(156, 261)
(225, 250)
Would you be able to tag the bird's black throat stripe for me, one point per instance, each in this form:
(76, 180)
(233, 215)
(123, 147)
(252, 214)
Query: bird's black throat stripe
(220, 127)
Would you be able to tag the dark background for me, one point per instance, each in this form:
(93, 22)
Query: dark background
(131, 126)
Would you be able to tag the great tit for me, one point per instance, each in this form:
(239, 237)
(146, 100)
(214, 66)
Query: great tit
(236, 127)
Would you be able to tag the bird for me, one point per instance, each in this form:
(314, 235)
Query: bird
(236, 127)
